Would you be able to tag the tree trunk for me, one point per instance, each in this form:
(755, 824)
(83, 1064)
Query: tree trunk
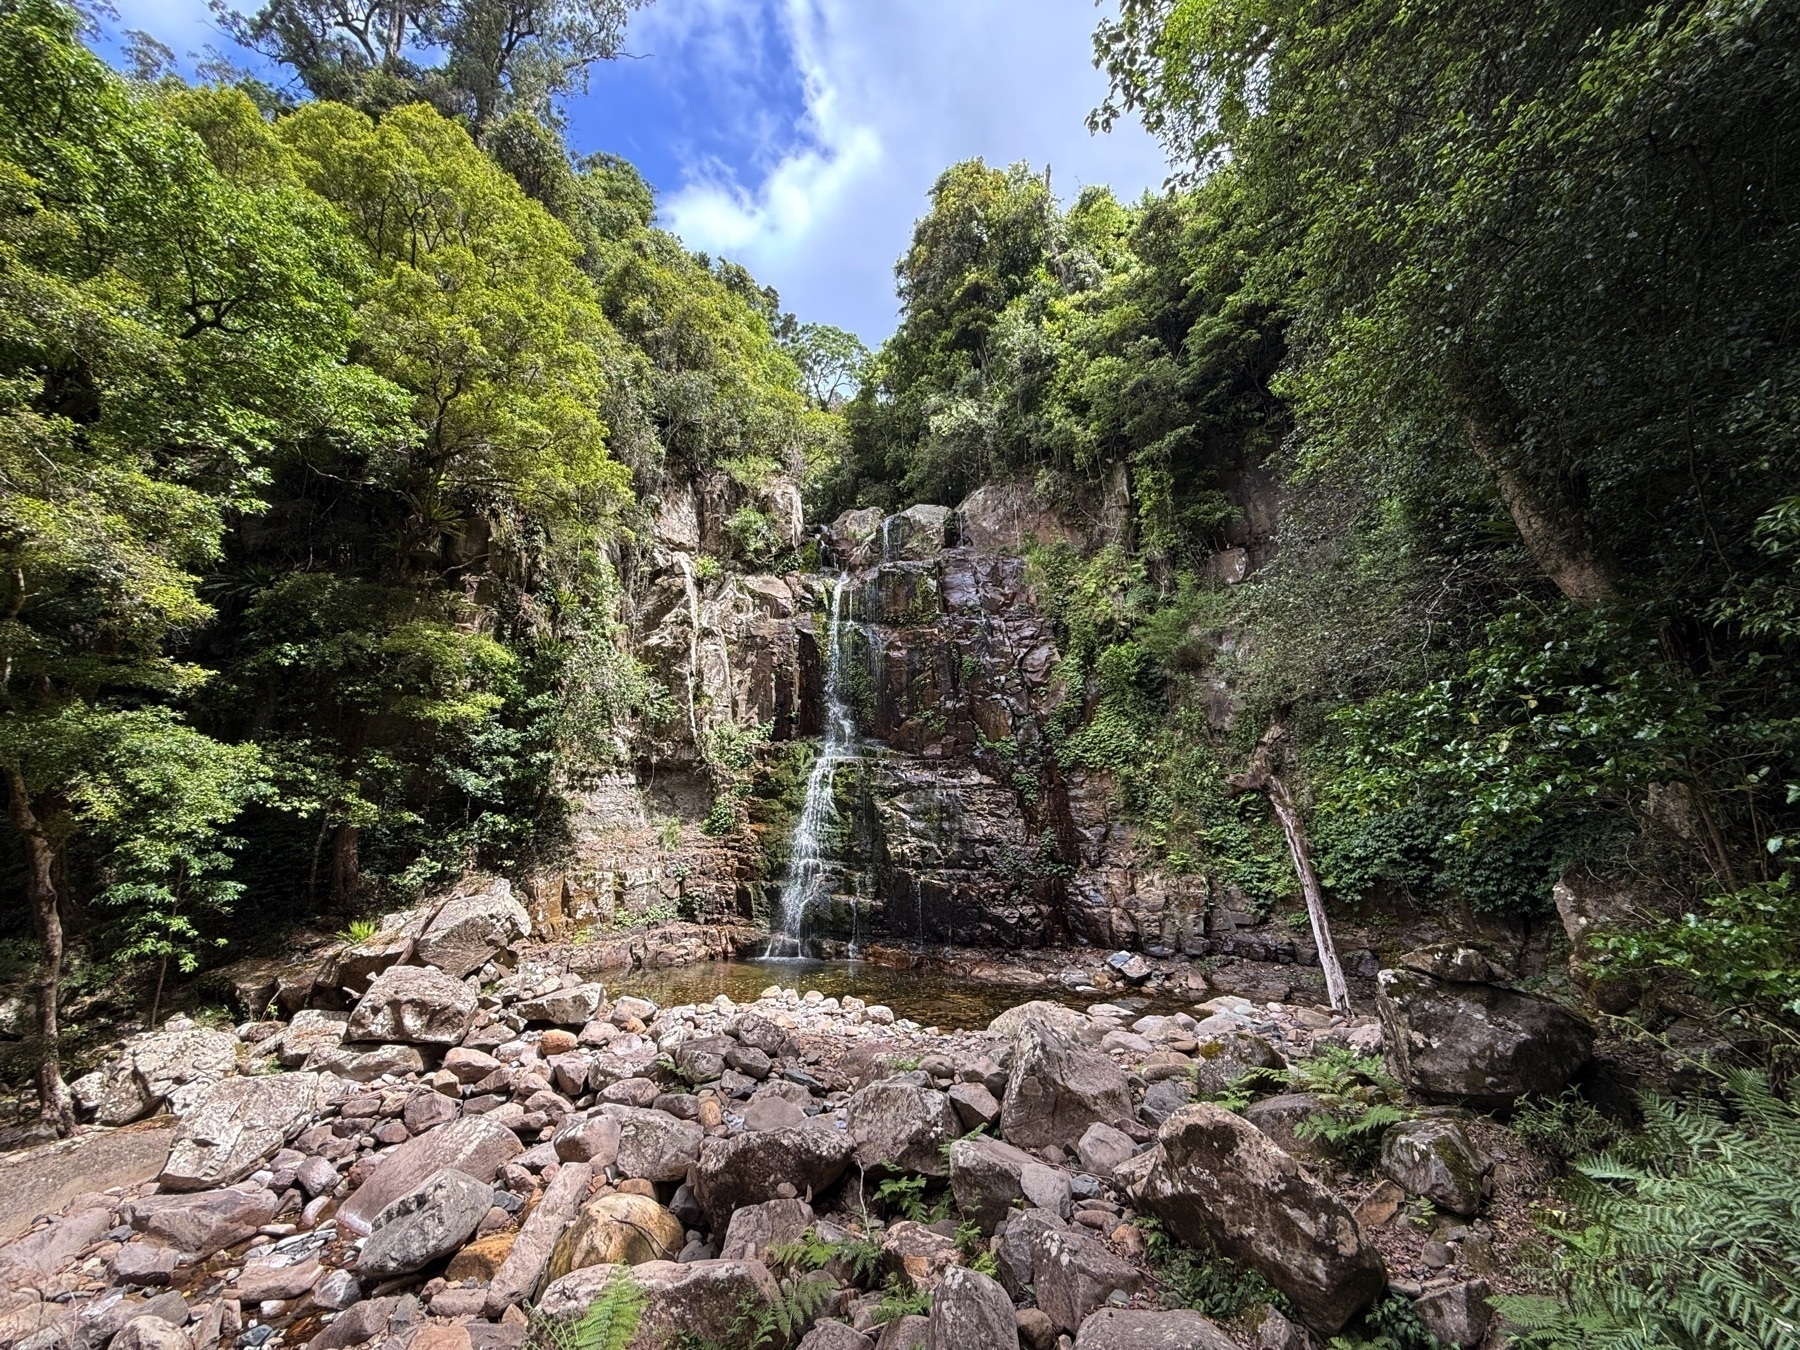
(1551, 527)
(1261, 777)
(344, 867)
(40, 891)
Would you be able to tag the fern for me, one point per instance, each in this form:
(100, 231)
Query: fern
(809, 1251)
(1686, 1235)
(609, 1323)
(976, 1254)
(899, 1299)
(1205, 1281)
(1564, 1128)
(1390, 1323)
(905, 1196)
(1357, 1101)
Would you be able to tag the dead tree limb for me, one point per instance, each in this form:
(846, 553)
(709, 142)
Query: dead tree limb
(1261, 776)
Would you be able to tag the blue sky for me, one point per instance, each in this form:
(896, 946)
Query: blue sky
(800, 137)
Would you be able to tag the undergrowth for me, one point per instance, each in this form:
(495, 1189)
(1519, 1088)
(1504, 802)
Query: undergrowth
(1206, 1281)
(609, 1323)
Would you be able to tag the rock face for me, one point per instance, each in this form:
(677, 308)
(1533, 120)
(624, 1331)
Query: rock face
(176, 1065)
(470, 927)
(235, 1126)
(431, 1220)
(747, 1170)
(1480, 1045)
(1056, 1091)
(898, 1126)
(1219, 1180)
(413, 1005)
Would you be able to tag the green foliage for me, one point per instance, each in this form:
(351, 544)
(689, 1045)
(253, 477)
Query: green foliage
(1565, 1127)
(1357, 1101)
(1205, 1281)
(900, 1299)
(1390, 1323)
(609, 1323)
(1681, 1236)
(976, 1253)
(359, 931)
(906, 1196)
(860, 1256)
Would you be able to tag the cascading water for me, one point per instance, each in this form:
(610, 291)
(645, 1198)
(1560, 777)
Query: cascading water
(806, 872)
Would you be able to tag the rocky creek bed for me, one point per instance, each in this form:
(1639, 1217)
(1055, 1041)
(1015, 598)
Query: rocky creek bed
(461, 1161)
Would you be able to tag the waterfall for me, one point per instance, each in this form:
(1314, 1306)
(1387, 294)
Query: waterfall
(806, 876)
(693, 669)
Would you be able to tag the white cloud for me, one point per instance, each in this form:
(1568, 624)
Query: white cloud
(894, 94)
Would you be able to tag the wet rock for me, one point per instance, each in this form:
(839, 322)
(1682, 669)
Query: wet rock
(469, 928)
(475, 1145)
(756, 1228)
(564, 1007)
(431, 1220)
(618, 1229)
(898, 1126)
(1435, 1159)
(203, 1222)
(1133, 1329)
(970, 1311)
(699, 1298)
(985, 1178)
(1073, 1275)
(1102, 1148)
(1056, 1091)
(1457, 1315)
(1477, 1044)
(1214, 1177)
(1220, 1061)
(521, 1274)
(746, 1170)
(413, 1005)
(655, 1145)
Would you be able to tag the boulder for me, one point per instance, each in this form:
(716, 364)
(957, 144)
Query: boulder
(1163, 1099)
(1056, 1091)
(312, 1029)
(522, 1272)
(1215, 1178)
(1017, 1251)
(274, 1279)
(37, 1256)
(571, 1007)
(1074, 1274)
(1280, 1117)
(175, 1065)
(1102, 1148)
(474, 1145)
(898, 1126)
(1478, 1044)
(591, 1140)
(756, 1228)
(699, 1298)
(1008, 518)
(366, 1063)
(974, 1105)
(1435, 1159)
(413, 1005)
(433, 1219)
(915, 534)
(970, 1311)
(470, 928)
(905, 1333)
(1066, 1022)
(917, 1254)
(773, 1113)
(1220, 1061)
(654, 1144)
(985, 1178)
(731, 1173)
(150, 1333)
(203, 1222)
(617, 1229)
(1458, 1315)
(1135, 1329)
(835, 1336)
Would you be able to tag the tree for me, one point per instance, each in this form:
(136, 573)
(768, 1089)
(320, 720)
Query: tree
(832, 363)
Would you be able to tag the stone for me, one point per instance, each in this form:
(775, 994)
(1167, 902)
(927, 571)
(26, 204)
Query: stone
(428, 1110)
(1455, 962)
(1457, 1315)
(1016, 1253)
(1066, 1022)
(748, 1060)
(1162, 1100)
(898, 1126)
(1074, 1274)
(521, 1274)
(1046, 1188)
(143, 1263)
(1056, 1090)
(1280, 1118)
(469, 1066)
(773, 1113)
(1215, 1178)
(1134, 1329)
(311, 1030)
(413, 1005)
(1435, 1159)
(433, 1219)
(1036, 1330)
(631, 1092)
(182, 1056)
(698, 1298)
(1102, 1148)
(917, 1254)
(1476, 1044)
(756, 1228)
(236, 1125)
(655, 1145)
(905, 1333)
(475, 1145)
(986, 1178)
(201, 1223)
(270, 1279)
(702, 1059)
(480, 1261)
(357, 1323)
(748, 1169)
(617, 1229)
(594, 1139)
(830, 1335)
(970, 1311)
(150, 1333)
(974, 1105)
(1219, 1061)
(1009, 518)
(761, 1033)
(337, 1290)
(571, 1007)
(363, 1063)
(469, 928)
(1276, 1332)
